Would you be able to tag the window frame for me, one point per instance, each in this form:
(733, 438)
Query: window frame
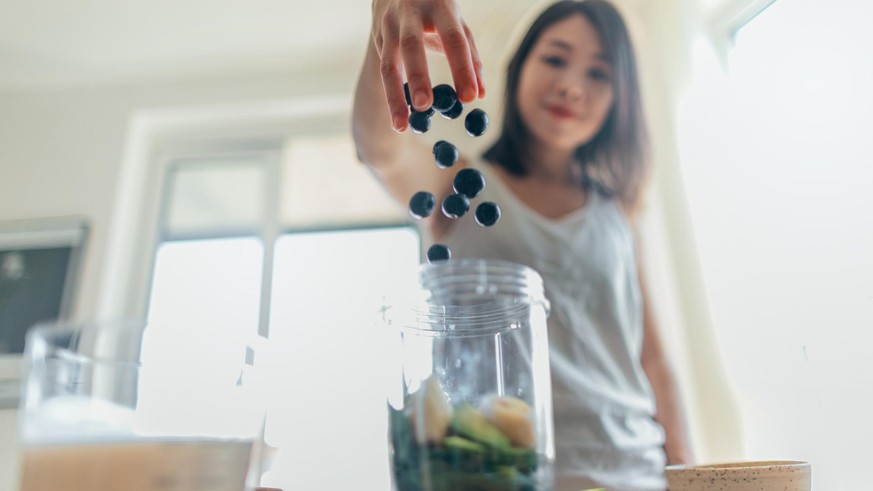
(727, 19)
(158, 137)
(269, 154)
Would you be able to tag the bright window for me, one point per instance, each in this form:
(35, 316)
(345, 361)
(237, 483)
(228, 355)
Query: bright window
(778, 168)
(203, 314)
(328, 410)
(304, 243)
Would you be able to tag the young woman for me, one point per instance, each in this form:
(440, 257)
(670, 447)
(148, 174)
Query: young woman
(568, 169)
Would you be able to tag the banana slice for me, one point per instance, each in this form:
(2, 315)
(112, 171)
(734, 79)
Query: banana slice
(513, 418)
(431, 402)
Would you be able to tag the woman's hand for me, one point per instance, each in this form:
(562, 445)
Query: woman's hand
(402, 31)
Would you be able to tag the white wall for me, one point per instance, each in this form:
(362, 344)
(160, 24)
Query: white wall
(60, 152)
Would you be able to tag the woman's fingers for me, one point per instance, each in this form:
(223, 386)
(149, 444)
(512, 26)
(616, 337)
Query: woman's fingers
(392, 79)
(402, 32)
(457, 48)
(478, 67)
(415, 61)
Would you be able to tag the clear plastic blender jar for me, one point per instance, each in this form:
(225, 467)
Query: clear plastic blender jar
(470, 394)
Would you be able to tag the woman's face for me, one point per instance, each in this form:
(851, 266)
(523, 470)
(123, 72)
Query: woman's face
(565, 85)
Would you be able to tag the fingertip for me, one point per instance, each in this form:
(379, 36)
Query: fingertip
(481, 80)
(421, 100)
(467, 95)
(398, 123)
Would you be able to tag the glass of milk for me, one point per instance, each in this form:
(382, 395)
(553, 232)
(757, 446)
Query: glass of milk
(120, 405)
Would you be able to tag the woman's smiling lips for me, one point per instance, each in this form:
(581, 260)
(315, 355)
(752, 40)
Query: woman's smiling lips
(561, 112)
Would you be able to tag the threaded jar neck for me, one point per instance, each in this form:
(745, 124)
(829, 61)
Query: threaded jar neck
(469, 297)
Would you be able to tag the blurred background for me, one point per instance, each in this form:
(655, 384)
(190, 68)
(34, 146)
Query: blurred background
(191, 161)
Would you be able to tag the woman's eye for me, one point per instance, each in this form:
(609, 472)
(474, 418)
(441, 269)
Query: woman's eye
(555, 61)
(599, 75)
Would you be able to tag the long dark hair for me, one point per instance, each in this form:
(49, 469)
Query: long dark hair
(615, 161)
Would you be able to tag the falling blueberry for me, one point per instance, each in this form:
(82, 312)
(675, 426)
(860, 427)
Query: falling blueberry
(444, 97)
(454, 112)
(456, 205)
(476, 122)
(487, 213)
(445, 154)
(438, 252)
(421, 204)
(468, 182)
(419, 122)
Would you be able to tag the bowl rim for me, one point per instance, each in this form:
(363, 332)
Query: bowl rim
(740, 465)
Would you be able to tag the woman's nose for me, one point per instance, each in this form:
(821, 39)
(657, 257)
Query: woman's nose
(571, 88)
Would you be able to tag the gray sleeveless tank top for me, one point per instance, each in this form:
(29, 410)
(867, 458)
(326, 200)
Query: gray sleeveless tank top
(605, 432)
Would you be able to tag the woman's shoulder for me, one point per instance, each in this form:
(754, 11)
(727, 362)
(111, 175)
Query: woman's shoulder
(623, 215)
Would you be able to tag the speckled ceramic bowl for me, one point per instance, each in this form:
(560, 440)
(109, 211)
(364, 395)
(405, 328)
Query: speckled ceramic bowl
(781, 475)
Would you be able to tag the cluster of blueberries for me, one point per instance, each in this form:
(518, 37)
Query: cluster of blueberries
(468, 183)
